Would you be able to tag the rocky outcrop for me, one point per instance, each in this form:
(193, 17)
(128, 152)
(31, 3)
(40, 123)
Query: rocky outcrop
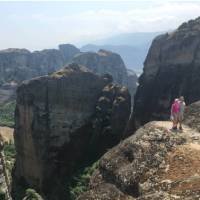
(106, 62)
(17, 65)
(152, 164)
(64, 119)
(171, 69)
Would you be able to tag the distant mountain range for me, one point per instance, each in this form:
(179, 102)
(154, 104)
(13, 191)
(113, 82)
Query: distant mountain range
(132, 47)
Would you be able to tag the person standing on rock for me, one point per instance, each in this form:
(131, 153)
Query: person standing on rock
(181, 112)
(175, 108)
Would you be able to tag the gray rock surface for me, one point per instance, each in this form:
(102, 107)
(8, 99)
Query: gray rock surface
(60, 120)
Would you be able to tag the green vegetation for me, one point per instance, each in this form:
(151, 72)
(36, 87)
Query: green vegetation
(2, 195)
(80, 180)
(32, 195)
(7, 114)
(10, 153)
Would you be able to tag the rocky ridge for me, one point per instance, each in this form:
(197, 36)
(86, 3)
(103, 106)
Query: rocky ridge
(155, 163)
(64, 119)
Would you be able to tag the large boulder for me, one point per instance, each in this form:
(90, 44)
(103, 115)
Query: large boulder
(152, 164)
(64, 119)
(171, 69)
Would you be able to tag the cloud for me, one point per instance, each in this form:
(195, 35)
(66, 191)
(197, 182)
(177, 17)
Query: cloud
(105, 22)
(44, 28)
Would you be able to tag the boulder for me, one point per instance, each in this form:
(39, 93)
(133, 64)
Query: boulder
(63, 120)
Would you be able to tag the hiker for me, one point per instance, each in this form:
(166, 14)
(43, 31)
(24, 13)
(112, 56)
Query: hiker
(181, 112)
(175, 108)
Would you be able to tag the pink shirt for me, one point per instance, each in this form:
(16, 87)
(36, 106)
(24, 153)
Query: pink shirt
(175, 107)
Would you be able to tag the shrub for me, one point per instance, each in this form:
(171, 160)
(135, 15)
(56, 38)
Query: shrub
(32, 195)
(80, 180)
(10, 153)
(2, 195)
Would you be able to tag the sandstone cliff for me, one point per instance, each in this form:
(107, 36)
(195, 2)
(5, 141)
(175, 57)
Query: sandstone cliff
(153, 164)
(17, 65)
(61, 120)
(104, 62)
(171, 69)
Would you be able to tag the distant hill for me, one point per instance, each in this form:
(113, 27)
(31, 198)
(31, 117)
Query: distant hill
(132, 47)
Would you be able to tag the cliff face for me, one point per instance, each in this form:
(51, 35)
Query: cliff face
(17, 65)
(106, 62)
(153, 164)
(171, 69)
(60, 119)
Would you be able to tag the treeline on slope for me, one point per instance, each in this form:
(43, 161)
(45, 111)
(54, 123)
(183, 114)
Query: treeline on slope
(7, 114)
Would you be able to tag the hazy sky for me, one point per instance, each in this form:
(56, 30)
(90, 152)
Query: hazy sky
(38, 25)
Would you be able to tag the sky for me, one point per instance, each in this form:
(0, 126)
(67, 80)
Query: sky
(38, 25)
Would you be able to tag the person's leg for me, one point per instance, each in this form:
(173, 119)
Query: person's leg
(175, 122)
(180, 123)
(180, 126)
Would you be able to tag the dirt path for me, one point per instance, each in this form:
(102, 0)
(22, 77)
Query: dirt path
(190, 134)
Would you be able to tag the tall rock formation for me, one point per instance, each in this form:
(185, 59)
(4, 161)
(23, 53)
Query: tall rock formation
(104, 62)
(17, 65)
(171, 69)
(64, 119)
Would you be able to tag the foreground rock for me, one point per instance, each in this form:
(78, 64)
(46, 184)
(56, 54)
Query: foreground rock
(153, 164)
(171, 69)
(67, 118)
(107, 62)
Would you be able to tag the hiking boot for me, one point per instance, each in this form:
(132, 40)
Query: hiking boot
(180, 128)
